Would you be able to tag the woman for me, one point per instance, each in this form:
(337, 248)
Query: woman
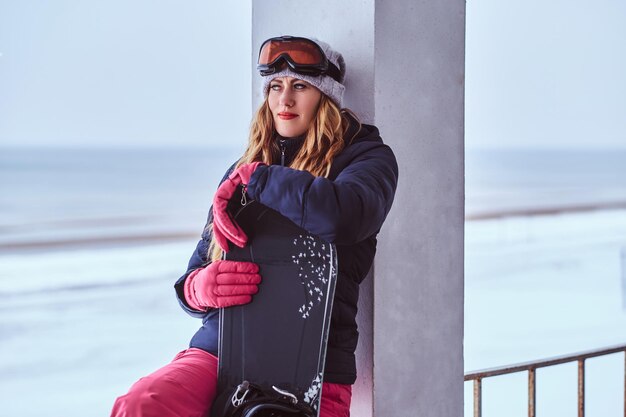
(316, 165)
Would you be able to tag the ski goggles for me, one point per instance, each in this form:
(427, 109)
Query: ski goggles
(301, 55)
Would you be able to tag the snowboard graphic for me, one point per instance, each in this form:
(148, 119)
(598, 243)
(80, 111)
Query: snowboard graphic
(279, 339)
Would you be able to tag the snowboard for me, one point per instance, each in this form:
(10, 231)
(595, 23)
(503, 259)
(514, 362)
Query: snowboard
(278, 341)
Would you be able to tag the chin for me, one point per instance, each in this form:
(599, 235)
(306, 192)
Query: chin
(289, 133)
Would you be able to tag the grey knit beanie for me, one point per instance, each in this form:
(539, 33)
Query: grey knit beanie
(326, 84)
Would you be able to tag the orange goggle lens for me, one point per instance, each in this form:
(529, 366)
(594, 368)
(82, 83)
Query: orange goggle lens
(300, 51)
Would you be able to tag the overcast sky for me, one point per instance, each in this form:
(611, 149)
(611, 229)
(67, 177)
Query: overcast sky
(546, 73)
(127, 73)
(171, 73)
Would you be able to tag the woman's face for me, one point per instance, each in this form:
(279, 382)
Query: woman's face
(293, 104)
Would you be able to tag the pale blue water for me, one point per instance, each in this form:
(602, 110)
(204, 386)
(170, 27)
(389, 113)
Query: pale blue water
(545, 168)
(44, 186)
(48, 194)
(506, 179)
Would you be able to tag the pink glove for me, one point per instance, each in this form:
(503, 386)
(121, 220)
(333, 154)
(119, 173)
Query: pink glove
(224, 226)
(222, 284)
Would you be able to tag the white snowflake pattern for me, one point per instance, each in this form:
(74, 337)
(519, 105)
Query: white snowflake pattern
(312, 394)
(313, 265)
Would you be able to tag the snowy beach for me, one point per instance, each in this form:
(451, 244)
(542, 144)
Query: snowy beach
(539, 287)
(89, 255)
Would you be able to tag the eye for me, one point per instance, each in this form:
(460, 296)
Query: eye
(299, 86)
(275, 87)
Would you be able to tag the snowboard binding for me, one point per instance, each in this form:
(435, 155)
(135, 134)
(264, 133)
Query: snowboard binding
(250, 400)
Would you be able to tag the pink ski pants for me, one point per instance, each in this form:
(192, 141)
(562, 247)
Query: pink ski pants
(186, 388)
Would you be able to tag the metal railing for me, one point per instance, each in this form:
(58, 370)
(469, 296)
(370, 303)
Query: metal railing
(531, 367)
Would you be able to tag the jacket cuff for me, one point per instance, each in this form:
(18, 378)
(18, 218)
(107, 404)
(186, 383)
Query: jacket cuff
(180, 295)
(257, 182)
(190, 293)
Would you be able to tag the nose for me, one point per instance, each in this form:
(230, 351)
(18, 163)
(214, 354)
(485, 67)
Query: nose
(286, 98)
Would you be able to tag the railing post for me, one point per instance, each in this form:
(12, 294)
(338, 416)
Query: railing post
(581, 388)
(531, 367)
(478, 397)
(531, 392)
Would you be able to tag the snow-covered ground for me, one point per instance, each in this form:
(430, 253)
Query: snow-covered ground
(78, 327)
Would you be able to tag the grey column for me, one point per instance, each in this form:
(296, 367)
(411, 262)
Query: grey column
(405, 64)
(418, 286)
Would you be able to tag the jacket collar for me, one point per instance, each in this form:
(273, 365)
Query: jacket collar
(287, 148)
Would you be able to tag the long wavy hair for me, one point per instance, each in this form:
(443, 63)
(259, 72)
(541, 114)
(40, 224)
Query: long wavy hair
(323, 141)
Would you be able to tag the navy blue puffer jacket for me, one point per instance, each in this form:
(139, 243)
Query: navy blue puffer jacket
(347, 208)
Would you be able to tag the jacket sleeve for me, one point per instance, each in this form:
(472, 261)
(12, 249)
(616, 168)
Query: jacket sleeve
(199, 259)
(345, 210)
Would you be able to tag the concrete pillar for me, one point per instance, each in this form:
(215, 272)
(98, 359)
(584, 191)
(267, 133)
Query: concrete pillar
(405, 73)
(418, 288)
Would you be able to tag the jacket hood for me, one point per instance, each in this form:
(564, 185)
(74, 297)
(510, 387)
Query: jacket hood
(360, 132)
(359, 140)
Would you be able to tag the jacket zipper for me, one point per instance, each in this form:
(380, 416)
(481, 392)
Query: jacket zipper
(282, 152)
(244, 199)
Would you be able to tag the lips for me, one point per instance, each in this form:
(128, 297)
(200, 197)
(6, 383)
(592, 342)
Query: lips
(287, 116)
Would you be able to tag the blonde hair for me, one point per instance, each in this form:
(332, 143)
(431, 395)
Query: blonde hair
(323, 141)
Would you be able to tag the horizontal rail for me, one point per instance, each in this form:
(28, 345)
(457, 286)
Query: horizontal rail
(531, 367)
(557, 360)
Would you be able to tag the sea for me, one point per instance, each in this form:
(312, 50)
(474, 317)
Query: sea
(92, 240)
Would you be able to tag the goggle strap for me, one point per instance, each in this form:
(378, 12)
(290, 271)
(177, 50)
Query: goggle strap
(332, 70)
